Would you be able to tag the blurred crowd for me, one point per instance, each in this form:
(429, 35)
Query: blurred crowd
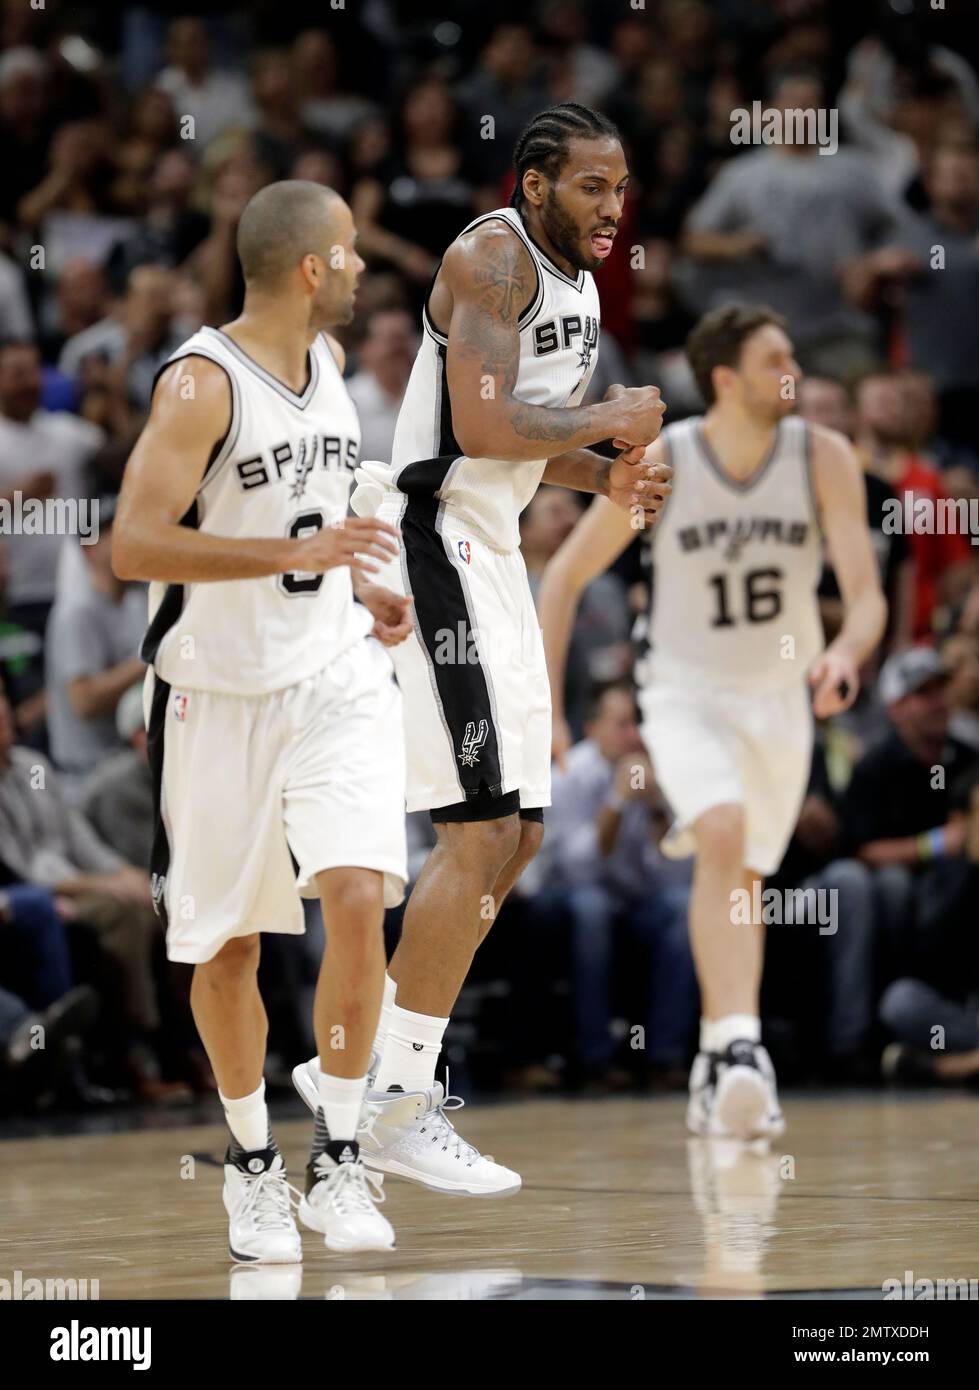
(132, 142)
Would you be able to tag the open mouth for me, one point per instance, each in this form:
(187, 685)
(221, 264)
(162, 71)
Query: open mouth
(601, 243)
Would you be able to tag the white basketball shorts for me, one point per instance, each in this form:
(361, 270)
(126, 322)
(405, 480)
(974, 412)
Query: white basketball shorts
(712, 747)
(258, 794)
(473, 676)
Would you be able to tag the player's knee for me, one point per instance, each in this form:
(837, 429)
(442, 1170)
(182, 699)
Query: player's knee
(485, 846)
(236, 962)
(719, 833)
(353, 900)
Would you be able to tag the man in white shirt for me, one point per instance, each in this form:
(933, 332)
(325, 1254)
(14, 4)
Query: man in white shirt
(216, 100)
(43, 454)
(386, 359)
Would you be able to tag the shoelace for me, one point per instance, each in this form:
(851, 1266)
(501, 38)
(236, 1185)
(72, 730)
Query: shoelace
(445, 1129)
(352, 1188)
(268, 1201)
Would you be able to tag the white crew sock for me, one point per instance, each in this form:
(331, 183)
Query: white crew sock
(718, 1033)
(411, 1051)
(341, 1099)
(384, 1017)
(248, 1119)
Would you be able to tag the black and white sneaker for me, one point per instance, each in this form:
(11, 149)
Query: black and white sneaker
(733, 1094)
(258, 1200)
(341, 1200)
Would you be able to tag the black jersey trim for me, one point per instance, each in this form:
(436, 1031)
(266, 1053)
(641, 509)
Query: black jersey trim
(299, 399)
(159, 865)
(171, 604)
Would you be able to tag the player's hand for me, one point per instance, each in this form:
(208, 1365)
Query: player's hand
(391, 612)
(354, 544)
(835, 683)
(561, 740)
(639, 412)
(634, 483)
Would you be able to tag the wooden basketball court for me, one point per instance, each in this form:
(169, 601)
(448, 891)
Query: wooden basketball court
(617, 1202)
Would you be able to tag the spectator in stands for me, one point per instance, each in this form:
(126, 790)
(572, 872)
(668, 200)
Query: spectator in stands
(415, 204)
(72, 212)
(934, 1013)
(16, 319)
(782, 225)
(45, 841)
(942, 326)
(577, 70)
(169, 228)
(603, 828)
(898, 825)
(599, 651)
(43, 454)
(81, 300)
(119, 800)
(942, 560)
(217, 100)
(132, 343)
(324, 104)
(93, 637)
(960, 657)
(29, 1071)
(384, 363)
(279, 129)
(506, 85)
(826, 402)
(25, 125)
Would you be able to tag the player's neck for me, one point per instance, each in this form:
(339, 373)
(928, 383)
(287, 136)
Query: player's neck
(738, 440)
(535, 230)
(278, 335)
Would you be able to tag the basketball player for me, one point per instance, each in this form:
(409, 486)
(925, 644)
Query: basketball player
(511, 333)
(736, 642)
(275, 729)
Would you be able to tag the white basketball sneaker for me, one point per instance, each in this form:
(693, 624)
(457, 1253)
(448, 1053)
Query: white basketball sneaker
(258, 1200)
(341, 1202)
(409, 1135)
(733, 1094)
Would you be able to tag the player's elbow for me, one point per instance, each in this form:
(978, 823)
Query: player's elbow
(125, 555)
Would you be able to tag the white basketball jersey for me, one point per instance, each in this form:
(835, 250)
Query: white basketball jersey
(559, 331)
(736, 566)
(284, 469)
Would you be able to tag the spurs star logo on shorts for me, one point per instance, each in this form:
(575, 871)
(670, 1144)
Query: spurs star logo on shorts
(473, 741)
(465, 553)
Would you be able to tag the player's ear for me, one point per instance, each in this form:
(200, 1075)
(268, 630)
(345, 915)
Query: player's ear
(534, 187)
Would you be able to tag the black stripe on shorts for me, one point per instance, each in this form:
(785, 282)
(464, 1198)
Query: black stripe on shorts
(447, 634)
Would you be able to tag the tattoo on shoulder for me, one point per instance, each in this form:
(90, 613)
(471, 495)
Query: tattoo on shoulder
(504, 284)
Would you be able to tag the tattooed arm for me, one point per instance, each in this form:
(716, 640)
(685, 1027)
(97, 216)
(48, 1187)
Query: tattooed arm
(486, 281)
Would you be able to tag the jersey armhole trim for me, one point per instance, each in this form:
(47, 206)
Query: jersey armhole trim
(528, 313)
(817, 514)
(226, 444)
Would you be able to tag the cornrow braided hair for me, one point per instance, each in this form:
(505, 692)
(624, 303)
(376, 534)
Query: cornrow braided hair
(543, 145)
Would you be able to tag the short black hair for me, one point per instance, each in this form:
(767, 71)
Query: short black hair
(598, 692)
(543, 145)
(280, 225)
(717, 340)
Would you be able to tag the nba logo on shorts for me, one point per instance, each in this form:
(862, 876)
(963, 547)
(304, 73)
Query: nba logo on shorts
(464, 551)
(180, 708)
